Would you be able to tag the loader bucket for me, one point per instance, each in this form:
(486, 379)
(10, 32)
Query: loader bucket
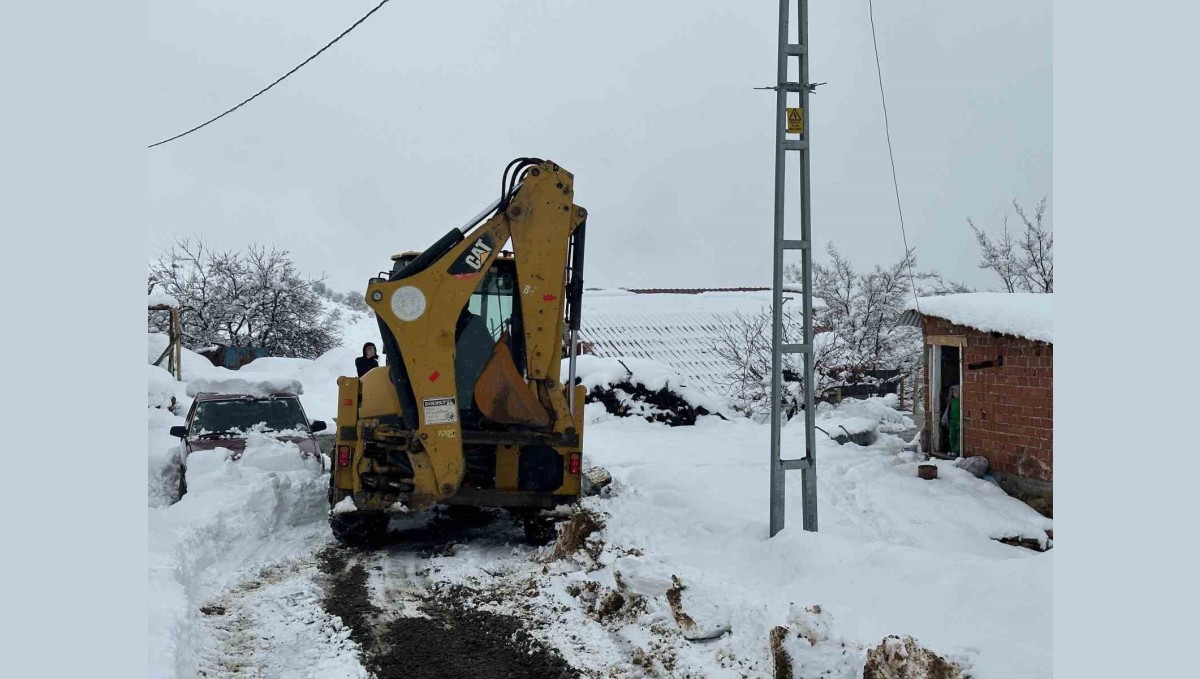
(502, 395)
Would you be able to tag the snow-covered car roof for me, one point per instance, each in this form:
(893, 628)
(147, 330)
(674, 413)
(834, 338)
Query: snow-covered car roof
(212, 396)
(251, 384)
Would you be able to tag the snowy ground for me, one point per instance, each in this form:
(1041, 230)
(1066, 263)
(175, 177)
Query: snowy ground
(235, 590)
(241, 540)
(894, 555)
(240, 536)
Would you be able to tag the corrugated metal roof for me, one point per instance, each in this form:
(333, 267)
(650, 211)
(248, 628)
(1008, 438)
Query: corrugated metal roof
(679, 329)
(911, 317)
(689, 291)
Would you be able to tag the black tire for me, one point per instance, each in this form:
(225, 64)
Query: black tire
(463, 511)
(539, 530)
(359, 529)
(465, 515)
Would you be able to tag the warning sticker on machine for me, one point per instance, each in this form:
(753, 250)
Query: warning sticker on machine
(440, 410)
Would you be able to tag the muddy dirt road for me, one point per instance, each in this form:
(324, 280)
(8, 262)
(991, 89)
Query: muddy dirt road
(409, 626)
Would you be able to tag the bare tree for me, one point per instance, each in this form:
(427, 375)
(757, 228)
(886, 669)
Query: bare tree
(861, 334)
(746, 345)
(1024, 264)
(1037, 246)
(254, 297)
(935, 285)
(285, 314)
(863, 309)
(188, 272)
(999, 255)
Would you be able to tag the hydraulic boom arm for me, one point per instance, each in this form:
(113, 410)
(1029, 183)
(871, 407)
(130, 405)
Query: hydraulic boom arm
(419, 306)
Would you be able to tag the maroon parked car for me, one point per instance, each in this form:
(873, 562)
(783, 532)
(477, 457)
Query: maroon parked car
(222, 420)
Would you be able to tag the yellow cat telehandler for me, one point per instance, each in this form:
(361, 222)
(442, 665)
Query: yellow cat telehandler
(470, 408)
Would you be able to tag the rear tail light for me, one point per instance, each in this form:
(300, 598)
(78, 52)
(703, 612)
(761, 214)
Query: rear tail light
(573, 465)
(343, 460)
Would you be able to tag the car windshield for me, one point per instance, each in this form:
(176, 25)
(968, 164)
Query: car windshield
(275, 414)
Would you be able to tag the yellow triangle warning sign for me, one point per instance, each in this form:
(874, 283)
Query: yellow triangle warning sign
(795, 121)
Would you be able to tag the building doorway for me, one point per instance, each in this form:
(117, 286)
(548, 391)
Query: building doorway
(945, 399)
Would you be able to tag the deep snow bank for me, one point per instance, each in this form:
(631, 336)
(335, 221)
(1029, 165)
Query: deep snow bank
(193, 364)
(161, 387)
(315, 381)
(162, 458)
(853, 416)
(895, 555)
(162, 450)
(317, 377)
(236, 517)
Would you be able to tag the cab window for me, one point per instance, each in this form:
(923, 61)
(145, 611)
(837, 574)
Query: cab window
(493, 301)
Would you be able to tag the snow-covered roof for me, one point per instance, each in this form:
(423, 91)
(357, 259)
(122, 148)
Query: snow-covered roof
(1021, 314)
(678, 329)
(162, 299)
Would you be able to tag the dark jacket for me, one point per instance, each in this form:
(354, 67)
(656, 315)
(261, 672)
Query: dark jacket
(365, 364)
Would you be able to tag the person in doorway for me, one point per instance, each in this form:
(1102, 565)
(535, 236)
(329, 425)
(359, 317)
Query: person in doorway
(951, 419)
(368, 361)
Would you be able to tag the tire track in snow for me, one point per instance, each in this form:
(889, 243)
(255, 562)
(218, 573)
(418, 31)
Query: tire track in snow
(274, 626)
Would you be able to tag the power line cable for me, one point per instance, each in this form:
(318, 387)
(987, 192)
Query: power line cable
(891, 155)
(279, 80)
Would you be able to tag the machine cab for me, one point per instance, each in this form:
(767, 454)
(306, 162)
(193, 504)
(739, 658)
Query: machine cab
(491, 313)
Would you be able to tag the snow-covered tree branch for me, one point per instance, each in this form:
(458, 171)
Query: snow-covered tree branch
(254, 297)
(1024, 263)
(859, 334)
(746, 345)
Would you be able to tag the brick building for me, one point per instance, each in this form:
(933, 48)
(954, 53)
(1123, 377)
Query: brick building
(999, 350)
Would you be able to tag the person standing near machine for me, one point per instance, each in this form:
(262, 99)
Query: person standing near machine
(951, 419)
(368, 361)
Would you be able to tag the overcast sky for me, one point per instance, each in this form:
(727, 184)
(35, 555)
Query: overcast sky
(400, 131)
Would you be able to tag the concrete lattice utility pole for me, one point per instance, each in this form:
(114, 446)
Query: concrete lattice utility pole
(792, 134)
